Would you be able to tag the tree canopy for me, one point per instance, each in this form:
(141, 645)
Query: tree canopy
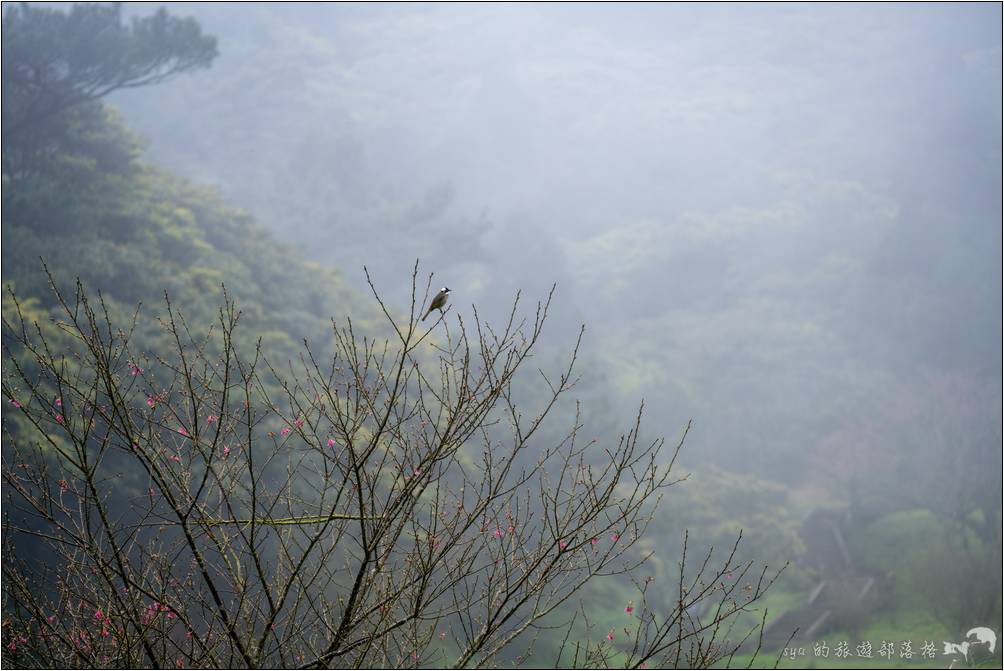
(55, 61)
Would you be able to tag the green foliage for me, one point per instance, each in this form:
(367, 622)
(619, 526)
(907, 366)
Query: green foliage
(715, 504)
(54, 60)
(88, 207)
(936, 567)
(135, 232)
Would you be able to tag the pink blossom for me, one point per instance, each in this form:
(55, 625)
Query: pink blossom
(595, 541)
(175, 457)
(610, 635)
(150, 402)
(98, 615)
(59, 418)
(629, 608)
(211, 419)
(59, 402)
(134, 369)
(298, 423)
(331, 442)
(285, 431)
(14, 402)
(562, 544)
(497, 533)
(226, 451)
(615, 537)
(51, 618)
(63, 486)
(183, 431)
(188, 634)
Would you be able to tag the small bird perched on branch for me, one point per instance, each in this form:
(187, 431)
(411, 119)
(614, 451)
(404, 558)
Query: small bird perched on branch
(438, 301)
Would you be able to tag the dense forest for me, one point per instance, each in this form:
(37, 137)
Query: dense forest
(783, 224)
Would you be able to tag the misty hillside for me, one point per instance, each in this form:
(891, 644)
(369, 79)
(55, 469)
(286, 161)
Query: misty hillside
(796, 207)
(97, 211)
(780, 222)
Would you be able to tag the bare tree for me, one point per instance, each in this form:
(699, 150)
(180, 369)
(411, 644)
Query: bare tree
(388, 505)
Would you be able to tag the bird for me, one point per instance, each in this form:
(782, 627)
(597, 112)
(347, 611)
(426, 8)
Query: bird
(438, 301)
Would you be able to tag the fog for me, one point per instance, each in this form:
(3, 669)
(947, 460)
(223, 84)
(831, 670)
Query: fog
(763, 214)
(780, 221)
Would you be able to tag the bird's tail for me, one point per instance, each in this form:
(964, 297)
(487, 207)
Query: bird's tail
(427, 314)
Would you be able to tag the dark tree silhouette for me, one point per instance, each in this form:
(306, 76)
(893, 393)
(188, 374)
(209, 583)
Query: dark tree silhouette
(56, 63)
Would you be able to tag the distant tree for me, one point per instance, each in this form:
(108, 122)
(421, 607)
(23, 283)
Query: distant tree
(392, 506)
(56, 61)
(934, 445)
